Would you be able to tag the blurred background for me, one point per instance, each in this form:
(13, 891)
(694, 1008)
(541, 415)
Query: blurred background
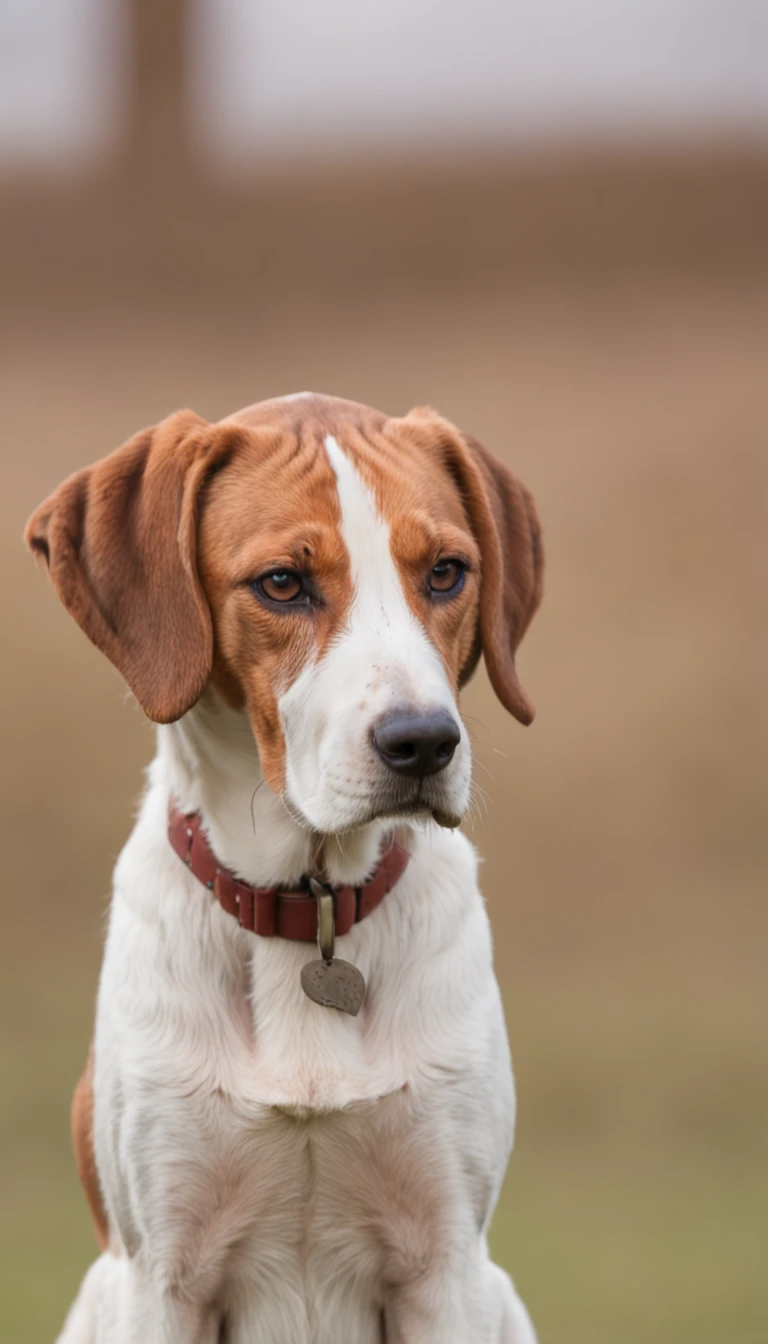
(548, 218)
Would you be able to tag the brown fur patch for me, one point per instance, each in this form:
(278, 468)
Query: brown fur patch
(85, 1158)
(275, 507)
(502, 517)
(119, 542)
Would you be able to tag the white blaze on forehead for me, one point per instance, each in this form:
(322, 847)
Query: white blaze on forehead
(366, 535)
(380, 614)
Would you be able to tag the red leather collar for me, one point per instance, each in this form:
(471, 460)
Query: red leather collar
(270, 911)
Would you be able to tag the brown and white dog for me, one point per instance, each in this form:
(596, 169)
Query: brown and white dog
(297, 595)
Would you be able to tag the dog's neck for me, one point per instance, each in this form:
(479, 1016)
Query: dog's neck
(209, 763)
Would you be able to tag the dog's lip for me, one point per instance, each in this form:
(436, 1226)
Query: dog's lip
(391, 809)
(448, 820)
(412, 807)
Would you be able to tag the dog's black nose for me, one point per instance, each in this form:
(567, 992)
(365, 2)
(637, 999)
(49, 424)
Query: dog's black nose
(416, 744)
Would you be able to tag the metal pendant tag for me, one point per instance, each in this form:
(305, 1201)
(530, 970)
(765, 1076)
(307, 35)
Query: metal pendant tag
(331, 982)
(334, 984)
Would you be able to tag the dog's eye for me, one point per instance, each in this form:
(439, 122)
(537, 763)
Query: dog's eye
(447, 576)
(281, 585)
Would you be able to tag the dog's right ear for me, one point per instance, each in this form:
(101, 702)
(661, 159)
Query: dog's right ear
(503, 518)
(120, 541)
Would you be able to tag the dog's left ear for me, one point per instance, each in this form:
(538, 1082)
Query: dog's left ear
(505, 525)
(120, 541)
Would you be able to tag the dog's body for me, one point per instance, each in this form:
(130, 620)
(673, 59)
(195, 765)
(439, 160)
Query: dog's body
(267, 1169)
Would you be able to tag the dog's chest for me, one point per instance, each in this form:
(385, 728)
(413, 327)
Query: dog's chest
(353, 1195)
(249, 1199)
(313, 1155)
(255, 1143)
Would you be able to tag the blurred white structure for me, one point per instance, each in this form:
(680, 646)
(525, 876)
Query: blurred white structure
(270, 76)
(61, 85)
(351, 73)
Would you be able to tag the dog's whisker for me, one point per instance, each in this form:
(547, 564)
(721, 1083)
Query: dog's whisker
(253, 800)
(478, 807)
(470, 718)
(485, 768)
(340, 843)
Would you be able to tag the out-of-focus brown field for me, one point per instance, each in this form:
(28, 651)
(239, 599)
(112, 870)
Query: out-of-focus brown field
(624, 833)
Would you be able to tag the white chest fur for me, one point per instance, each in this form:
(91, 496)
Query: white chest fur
(247, 1138)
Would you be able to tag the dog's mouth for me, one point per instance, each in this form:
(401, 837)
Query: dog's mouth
(422, 802)
(418, 807)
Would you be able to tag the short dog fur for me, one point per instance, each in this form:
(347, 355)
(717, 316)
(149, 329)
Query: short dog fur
(273, 588)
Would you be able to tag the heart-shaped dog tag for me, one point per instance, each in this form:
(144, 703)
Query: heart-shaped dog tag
(334, 984)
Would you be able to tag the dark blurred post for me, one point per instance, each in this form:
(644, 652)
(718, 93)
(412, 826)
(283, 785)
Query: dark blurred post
(157, 136)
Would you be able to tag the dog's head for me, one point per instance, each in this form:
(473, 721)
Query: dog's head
(334, 572)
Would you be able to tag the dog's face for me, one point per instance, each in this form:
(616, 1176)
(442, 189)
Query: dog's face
(334, 572)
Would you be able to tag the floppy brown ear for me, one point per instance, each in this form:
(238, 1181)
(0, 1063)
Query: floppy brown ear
(509, 537)
(505, 525)
(119, 539)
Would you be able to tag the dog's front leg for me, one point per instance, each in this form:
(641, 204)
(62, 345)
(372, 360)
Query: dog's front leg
(167, 1320)
(120, 1302)
(147, 1312)
(156, 1314)
(463, 1304)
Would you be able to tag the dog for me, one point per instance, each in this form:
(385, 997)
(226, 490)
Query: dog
(278, 1145)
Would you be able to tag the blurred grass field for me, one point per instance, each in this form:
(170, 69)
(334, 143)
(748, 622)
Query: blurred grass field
(624, 833)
